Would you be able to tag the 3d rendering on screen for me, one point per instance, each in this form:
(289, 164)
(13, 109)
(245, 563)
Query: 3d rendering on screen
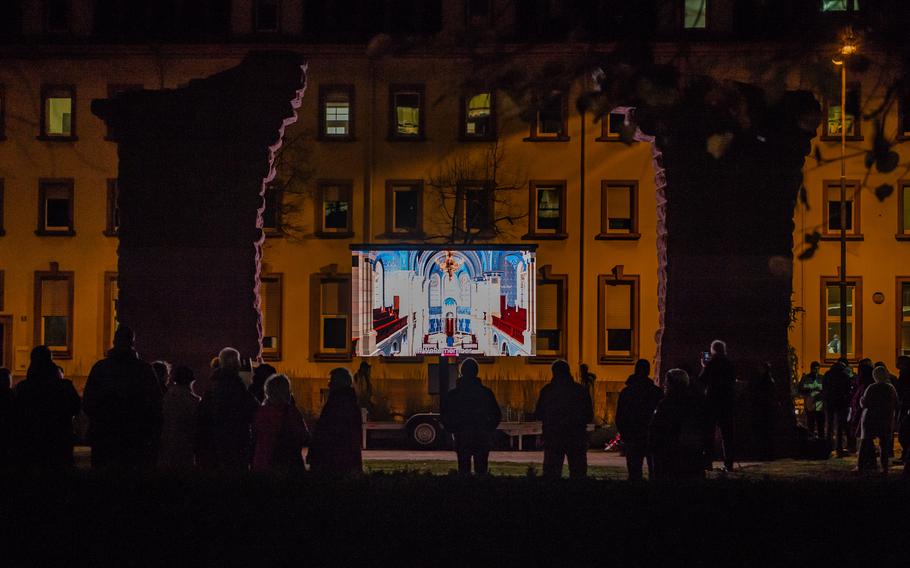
(443, 301)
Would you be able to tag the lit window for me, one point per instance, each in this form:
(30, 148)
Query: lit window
(336, 115)
(478, 117)
(903, 316)
(266, 15)
(618, 215)
(270, 296)
(334, 328)
(547, 202)
(407, 111)
(831, 318)
(335, 211)
(404, 203)
(839, 5)
(111, 308)
(56, 16)
(58, 118)
(551, 323)
(271, 215)
(851, 208)
(617, 318)
(54, 311)
(113, 208)
(55, 208)
(696, 14)
(852, 120)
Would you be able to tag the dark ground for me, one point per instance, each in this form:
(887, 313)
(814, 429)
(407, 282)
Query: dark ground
(410, 519)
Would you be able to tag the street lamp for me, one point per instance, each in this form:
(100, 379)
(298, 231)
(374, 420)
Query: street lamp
(847, 48)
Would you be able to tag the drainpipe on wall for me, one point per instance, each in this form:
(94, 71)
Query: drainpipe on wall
(369, 153)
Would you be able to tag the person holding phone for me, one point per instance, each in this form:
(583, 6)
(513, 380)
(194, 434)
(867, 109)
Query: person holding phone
(718, 377)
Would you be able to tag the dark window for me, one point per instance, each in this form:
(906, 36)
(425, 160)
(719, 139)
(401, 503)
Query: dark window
(550, 122)
(335, 209)
(479, 116)
(54, 312)
(58, 112)
(852, 208)
(619, 213)
(271, 215)
(55, 208)
(270, 297)
(611, 126)
(2, 112)
(57, 16)
(404, 203)
(618, 318)
(113, 208)
(407, 116)
(474, 207)
(266, 15)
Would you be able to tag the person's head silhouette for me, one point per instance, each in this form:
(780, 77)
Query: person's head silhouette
(340, 378)
(718, 347)
(469, 368)
(124, 337)
(642, 368)
(229, 359)
(560, 369)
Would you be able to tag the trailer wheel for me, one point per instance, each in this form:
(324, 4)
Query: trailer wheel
(424, 433)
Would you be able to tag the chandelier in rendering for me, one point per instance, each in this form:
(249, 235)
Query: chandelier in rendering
(449, 264)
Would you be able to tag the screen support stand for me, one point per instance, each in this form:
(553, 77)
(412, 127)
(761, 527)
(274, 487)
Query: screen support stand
(443, 378)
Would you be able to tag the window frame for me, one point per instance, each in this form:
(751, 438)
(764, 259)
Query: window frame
(545, 276)
(461, 211)
(390, 190)
(705, 17)
(43, 185)
(2, 289)
(856, 233)
(899, 283)
(634, 234)
(112, 228)
(255, 19)
(48, 30)
(857, 134)
(107, 333)
(857, 281)
(2, 208)
(533, 230)
(273, 232)
(37, 322)
(46, 91)
(316, 323)
(463, 135)
(605, 123)
(903, 111)
(634, 281)
(275, 354)
(563, 136)
(321, 230)
(2, 112)
(394, 136)
(851, 8)
(901, 235)
(324, 92)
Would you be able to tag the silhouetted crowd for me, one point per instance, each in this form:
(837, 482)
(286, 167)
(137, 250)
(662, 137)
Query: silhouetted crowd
(143, 416)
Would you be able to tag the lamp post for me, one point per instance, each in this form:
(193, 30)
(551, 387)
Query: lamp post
(847, 49)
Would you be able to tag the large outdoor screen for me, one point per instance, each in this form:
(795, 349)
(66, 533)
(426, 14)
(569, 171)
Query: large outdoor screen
(411, 300)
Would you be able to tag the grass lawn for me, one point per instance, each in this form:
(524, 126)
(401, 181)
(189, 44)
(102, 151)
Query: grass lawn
(507, 469)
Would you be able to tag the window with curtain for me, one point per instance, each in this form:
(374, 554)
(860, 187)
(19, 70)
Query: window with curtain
(547, 218)
(335, 298)
(54, 312)
(551, 317)
(852, 120)
(403, 200)
(407, 113)
(618, 209)
(478, 116)
(851, 207)
(696, 14)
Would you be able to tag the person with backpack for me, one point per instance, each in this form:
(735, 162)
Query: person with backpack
(636, 405)
(565, 410)
(279, 430)
(471, 414)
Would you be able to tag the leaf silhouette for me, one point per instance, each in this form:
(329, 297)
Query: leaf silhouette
(804, 197)
(884, 191)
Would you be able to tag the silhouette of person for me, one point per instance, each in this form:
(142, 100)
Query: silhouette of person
(225, 414)
(764, 410)
(335, 447)
(587, 379)
(836, 396)
(471, 414)
(7, 418)
(261, 374)
(637, 402)
(123, 404)
(718, 379)
(163, 373)
(903, 393)
(46, 404)
(279, 431)
(565, 409)
(879, 404)
(810, 386)
(180, 416)
(676, 432)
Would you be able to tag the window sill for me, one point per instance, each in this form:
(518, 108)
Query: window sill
(336, 139)
(617, 236)
(547, 139)
(328, 357)
(899, 236)
(545, 237)
(43, 233)
(616, 360)
(340, 235)
(836, 237)
(837, 138)
(67, 355)
(401, 236)
(46, 138)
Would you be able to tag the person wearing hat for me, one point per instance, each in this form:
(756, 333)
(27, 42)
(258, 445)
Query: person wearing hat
(335, 447)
